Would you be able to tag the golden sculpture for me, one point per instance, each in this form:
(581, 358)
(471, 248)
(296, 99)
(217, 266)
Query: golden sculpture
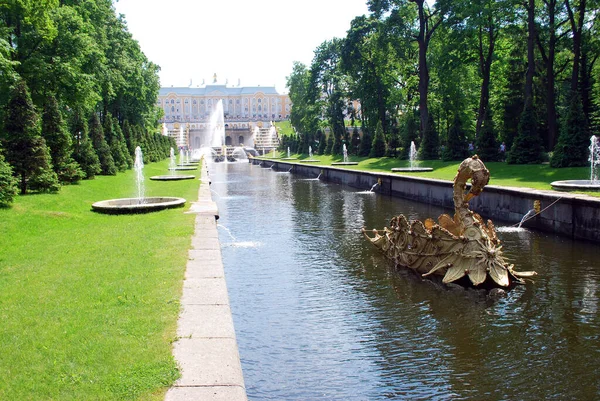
(454, 247)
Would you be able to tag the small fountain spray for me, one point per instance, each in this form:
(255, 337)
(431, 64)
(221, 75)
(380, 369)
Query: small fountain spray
(172, 162)
(412, 161)
(595, 160)
(345, 161)
(288, 152)
(138, 167)
(593, 184)
(412, 155)
(310, 153)
(141, 203)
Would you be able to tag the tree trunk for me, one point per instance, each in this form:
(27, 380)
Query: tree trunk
(485, 66)
(423, 69)
(530, 54)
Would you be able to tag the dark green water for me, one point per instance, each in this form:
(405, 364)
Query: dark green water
(320, 315)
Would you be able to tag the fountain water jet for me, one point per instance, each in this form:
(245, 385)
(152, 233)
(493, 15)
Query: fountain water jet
(593, 184)
(412, 159)
(310, 157)
(345, 162)
(140, 204)
(172, 167)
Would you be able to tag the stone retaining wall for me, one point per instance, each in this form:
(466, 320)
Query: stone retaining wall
(571, 215)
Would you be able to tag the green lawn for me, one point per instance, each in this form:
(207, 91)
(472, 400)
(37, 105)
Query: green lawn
(538, 176)
(89, 302)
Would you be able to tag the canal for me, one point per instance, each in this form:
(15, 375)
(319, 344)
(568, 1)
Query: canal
(319, 314)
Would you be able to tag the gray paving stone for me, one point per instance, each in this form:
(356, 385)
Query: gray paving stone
(204, 269)
(206, 242)
(206, 321)
(208, 362)
(216, 393)
(204, 291)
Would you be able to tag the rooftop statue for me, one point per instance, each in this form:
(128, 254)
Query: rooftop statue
(452, 247)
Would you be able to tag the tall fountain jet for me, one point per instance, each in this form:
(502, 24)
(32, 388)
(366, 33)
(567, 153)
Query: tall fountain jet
(216, 126)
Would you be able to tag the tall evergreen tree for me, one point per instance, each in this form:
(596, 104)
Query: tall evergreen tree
(115, 143)
(378, 148)
(8, 183)
(456, 145)
(107, 163)
(365, 142)
(527, 146)
(429, 149)
(486, 144)
(573, 141)
(83, 150)
(26, 150)
(58, 139)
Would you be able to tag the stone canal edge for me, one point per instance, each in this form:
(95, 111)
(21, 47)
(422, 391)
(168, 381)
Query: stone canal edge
(206, 348)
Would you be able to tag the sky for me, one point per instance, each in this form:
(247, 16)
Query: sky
(253, 42)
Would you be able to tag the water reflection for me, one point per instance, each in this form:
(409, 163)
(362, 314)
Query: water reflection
(320, 315)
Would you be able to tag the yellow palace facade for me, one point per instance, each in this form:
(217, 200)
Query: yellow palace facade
(187, 111)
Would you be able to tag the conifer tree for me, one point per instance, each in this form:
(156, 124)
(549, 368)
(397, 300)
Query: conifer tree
(8, 183)
(123, 144)
(456, 146)
(83, 150)
(107, 163)
(573, 141)
(365, 143)
(486, 144)
(378, 148)
(322, 142)
(330, 142)
(113, 142)
(429, 149)
(527, 146)
(58, 139)
(26, 150)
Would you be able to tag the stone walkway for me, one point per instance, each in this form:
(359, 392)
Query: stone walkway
(206, 349)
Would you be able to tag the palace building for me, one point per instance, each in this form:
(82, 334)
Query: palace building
(188, 110)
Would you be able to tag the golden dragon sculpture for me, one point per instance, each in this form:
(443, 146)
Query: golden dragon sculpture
(454, 247)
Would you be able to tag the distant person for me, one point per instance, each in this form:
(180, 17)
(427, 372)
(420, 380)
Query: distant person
(502, 151)
(471, 147)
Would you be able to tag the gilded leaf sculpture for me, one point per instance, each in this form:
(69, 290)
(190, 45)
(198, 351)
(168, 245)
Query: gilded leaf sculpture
(452, 247)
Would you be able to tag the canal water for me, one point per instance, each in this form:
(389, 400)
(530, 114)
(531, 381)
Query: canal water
(320, 314)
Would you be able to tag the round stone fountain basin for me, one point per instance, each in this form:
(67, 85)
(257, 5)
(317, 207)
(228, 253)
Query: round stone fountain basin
(412, 169)
(133, 205)
(344, 163)
(184, 168)
(575, 185)
(172, 177)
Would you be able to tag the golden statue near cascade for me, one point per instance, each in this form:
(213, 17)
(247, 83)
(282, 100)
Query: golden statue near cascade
(454, 247)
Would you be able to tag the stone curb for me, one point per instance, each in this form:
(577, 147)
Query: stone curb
(206, 349)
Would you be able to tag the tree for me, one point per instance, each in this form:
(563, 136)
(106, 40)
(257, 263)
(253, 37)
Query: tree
(429, 149)
(378, 148)
(8, 183)
(116, 142)
(58, 140)
(456, 145)
(572, 147)
(527, 146)
(107, 163)
(422, 23)
(365, 142)
(83, 150)
(486, 143)
(26, 150)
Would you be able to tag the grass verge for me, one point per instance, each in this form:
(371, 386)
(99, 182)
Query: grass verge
(537, 176)
(89, 302)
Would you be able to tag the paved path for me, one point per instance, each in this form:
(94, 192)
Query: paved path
(206, 349)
